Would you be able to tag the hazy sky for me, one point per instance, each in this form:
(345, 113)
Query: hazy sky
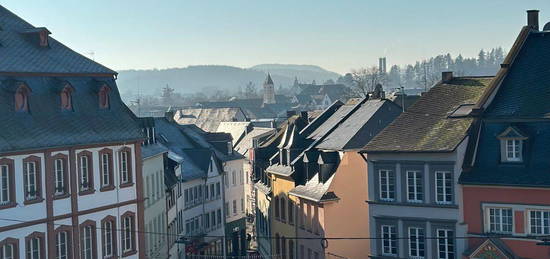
(337, 35)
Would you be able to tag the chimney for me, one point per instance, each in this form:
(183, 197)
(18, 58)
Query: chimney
(304, 115)
(446, 76)
(169, 115)
(533, 19)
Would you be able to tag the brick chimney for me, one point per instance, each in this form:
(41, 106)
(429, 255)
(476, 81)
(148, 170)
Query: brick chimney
(446, 76)
(533, 19)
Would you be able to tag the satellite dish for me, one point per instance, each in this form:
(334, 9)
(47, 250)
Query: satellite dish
(546, 27)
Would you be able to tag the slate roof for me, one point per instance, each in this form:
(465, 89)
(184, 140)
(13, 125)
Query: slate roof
(524, 90)
(520, 103)
(47, 126)
(330, 122)
(314, 190)
(426, 127)
(361, 126)
(151, 150)
(20, 53)
(279, 170)
(235, 128)
(209, 119)
(247, 141)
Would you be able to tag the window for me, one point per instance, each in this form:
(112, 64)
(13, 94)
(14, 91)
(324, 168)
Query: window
(34, 246)
(212, 191)
(207, 220)
(234, 207)
(445, 244)
(539, 222)
(31, 178)
(277, 244)
(513, 150)
(242, 204)
(128, 233)
(106, 162)
(234, 178)
(108, 233)
(125, 166)
(59, 169)
(283, 208)
(444, 187)
(276, 200)
(213, 218)
(283, 247)
(387, 185)
(219, 214)
(104, 97)
(9, 249)
(415, 192)
(226, 209)
(218, 190)
(206, 192)
(500, 220)
(85, 171)
(66, 98)
(290, 249)
(7, 184)
(88, 239)
(416, 242)
(61, 245)
(22, 98)
(389, 240)
(229, 148)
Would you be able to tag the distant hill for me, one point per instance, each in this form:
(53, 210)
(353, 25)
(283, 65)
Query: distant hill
(208, 78)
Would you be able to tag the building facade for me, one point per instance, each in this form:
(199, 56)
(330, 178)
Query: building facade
(70, 153)
(505, 182)
(413, 170)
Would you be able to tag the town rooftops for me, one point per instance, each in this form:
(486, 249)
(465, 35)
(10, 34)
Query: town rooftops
(28, 49)
(209, 119)
(426, 126)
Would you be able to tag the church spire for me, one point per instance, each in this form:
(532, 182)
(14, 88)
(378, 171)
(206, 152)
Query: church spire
(269, 90)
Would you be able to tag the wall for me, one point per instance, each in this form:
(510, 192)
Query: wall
(521, 200)
(281, 186)
(155, 206)
(350, 185)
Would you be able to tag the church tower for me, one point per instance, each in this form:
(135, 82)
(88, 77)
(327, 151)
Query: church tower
(269, 90)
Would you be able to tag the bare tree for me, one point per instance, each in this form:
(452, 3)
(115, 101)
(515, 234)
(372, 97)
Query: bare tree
(365, 79)
(250, 90)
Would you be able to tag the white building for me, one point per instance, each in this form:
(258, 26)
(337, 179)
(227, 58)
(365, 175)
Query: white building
(70, 153)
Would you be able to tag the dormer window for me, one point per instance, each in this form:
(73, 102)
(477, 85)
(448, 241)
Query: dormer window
(104, 97)
(43, 38)
(229, 148)
(66, 98)
(22, 98)
(511, 145)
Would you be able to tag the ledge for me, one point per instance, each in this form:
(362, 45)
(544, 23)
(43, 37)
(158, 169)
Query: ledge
(33, 201)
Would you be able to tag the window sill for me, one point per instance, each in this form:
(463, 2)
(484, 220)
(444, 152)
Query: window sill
(86, 192)
(61, 196)
(128, 253)
(106, 188)
(126, 185)
(33, 201)
(8, 205)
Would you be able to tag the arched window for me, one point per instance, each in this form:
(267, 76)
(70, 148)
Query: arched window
(104, 97)
(283, 208)
(22, 98)
(66, 98)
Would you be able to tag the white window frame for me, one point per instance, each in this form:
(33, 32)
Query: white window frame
(105, 172)
(419, 238)
(447, 240)
(61, 240)
(59, 169)
(127, 242)
(31, 175)
(84, 173)
(500, 218)
(385, 181)
(107, 241)
(544, 223)
(388, 234)
(124, 172)
(87, 243)
(513, 149)
(5, 187)
(34, 248)
(4, 251)
(418, 190)
(444, 187)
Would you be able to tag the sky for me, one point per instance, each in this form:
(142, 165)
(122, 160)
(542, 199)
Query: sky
(336, 35)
